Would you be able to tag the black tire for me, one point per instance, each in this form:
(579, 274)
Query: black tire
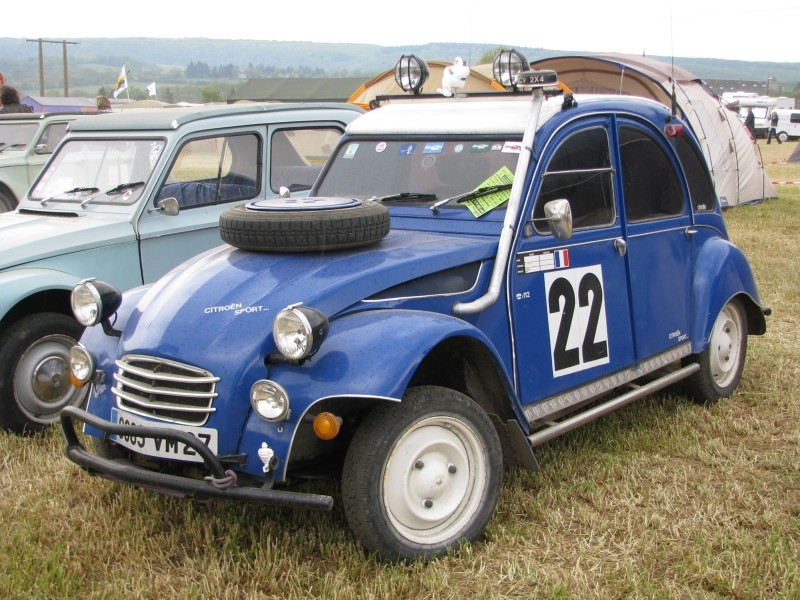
(722, 362)
(7, 201)
(422, 476)
(34, 371)
(304, 230)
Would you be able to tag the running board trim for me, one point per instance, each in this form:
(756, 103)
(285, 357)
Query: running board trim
(547, 434)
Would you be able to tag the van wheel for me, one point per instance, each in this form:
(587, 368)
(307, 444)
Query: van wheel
(722, 362)
(304, 224)
(34, 371)
(7, 201)
(783, 136)
(422, 476)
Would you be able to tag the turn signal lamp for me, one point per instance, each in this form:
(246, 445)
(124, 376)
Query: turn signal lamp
(327, 425)
(673, 130)
(81, 366)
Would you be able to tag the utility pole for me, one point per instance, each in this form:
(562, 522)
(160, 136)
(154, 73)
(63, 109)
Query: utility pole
(41, 63)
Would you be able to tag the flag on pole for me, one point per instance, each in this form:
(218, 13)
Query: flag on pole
(151, 89)
(122, 82)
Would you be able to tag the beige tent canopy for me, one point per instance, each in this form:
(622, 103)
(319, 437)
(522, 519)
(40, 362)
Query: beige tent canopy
(733, 159)
(383, 84)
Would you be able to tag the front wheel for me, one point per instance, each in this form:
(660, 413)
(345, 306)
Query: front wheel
(722, 362)
(34, 371)
(422, 476)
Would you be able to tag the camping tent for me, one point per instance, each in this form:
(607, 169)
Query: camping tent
(383, 84)
(795, 155)
(734, 160)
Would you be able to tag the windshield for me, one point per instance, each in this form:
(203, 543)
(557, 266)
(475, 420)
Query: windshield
(16, 136)
(424, 172)
(102, 171)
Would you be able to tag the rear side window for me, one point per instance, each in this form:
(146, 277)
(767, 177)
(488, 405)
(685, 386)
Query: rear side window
(297, 156)
(52, 136)
(701, 188)
(650, 182)
(580, 171)
(213, 170)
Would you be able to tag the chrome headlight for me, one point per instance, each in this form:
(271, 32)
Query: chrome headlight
(507, 67)
(94, 301)
(269, 400)
(298, 331)
(81, 365)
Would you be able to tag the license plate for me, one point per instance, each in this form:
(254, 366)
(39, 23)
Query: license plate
(159, 447)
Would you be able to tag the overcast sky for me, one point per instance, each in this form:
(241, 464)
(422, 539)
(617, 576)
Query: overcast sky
(735, 29)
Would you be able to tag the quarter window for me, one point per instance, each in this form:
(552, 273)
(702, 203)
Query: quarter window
(298, 155)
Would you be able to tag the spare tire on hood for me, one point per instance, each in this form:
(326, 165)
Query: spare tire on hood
(304, 224)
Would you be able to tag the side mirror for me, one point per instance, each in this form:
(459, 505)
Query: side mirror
(558, 215)
(41, 149)
(168, 206)
(284, 192)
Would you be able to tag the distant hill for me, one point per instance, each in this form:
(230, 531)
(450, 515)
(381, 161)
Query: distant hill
(96, 62)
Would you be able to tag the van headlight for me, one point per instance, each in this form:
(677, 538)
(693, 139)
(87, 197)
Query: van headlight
(81, 366)
(298, 331)
(94, 301)
(269, 400)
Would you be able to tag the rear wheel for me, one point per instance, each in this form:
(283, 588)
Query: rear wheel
(34, 371)
(422, 476)
(722, 362)
(783, 136)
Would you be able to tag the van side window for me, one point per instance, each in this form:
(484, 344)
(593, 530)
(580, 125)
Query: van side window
(213, 170)
(650, 183)
(298, 155)
(580, 171)
(701, 188)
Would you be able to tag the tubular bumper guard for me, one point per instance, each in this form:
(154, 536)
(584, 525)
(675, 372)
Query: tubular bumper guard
(126, 472)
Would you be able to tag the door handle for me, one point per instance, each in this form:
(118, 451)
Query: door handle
(689, 232)
(621, 246)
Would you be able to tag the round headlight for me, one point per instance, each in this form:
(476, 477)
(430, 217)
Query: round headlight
(410, 73)
(81, 365)
(269, 400)
(507, 66)
(298, 331)
(93, 301)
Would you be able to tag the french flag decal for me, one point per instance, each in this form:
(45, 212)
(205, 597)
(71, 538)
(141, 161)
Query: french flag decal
(561, 258)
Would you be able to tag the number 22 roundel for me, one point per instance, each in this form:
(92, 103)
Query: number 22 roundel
(577, 319)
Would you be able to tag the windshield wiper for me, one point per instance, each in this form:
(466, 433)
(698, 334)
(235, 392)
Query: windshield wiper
(115, 190)
(77, 190)
(405, 196)
(4, 146)
(483, 191)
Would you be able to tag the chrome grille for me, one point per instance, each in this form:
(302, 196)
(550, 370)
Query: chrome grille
(164, 389)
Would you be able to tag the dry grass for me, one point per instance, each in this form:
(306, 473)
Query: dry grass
(663, 499)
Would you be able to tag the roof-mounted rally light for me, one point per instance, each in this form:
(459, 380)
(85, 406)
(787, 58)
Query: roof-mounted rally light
(411, 73)
(507, 66)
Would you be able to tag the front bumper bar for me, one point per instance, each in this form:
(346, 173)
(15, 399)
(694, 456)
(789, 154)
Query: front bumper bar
(126, 472)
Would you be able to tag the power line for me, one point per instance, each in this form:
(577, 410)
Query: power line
(41, 63)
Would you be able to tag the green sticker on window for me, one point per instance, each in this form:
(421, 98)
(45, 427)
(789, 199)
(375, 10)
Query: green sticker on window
(483, 203)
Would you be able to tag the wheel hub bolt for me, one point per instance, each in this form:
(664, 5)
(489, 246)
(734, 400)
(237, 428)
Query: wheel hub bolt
(419, 464)
(427, 503)
(451, 468)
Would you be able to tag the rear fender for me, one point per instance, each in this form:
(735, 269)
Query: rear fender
(722, 273)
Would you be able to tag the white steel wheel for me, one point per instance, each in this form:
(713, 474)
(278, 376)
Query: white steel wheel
(722, 362)
(422, 476)
(434, 479)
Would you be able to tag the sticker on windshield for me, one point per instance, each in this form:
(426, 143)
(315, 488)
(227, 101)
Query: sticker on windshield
(576, 315)
(480, 147)
(408, 149)
(350, 151)
(433, 148)
(512, 147)
(380, 147)
(155, 152)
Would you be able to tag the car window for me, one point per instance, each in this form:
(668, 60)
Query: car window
(580, 171)
(16, 136)
(297, 156)
(701, 188)
(52, 136)
(651, 185)
(214, 170)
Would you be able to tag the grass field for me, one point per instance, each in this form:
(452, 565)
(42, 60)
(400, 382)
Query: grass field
(663, 499)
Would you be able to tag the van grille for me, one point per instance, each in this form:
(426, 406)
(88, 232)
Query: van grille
(164, 389)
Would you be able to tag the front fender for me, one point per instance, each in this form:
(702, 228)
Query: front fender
(18, 284)
(722, 272)
(374, 353)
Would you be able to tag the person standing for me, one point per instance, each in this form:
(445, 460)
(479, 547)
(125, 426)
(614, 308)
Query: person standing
(9, 98)
(773, 128)
(750, 123)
